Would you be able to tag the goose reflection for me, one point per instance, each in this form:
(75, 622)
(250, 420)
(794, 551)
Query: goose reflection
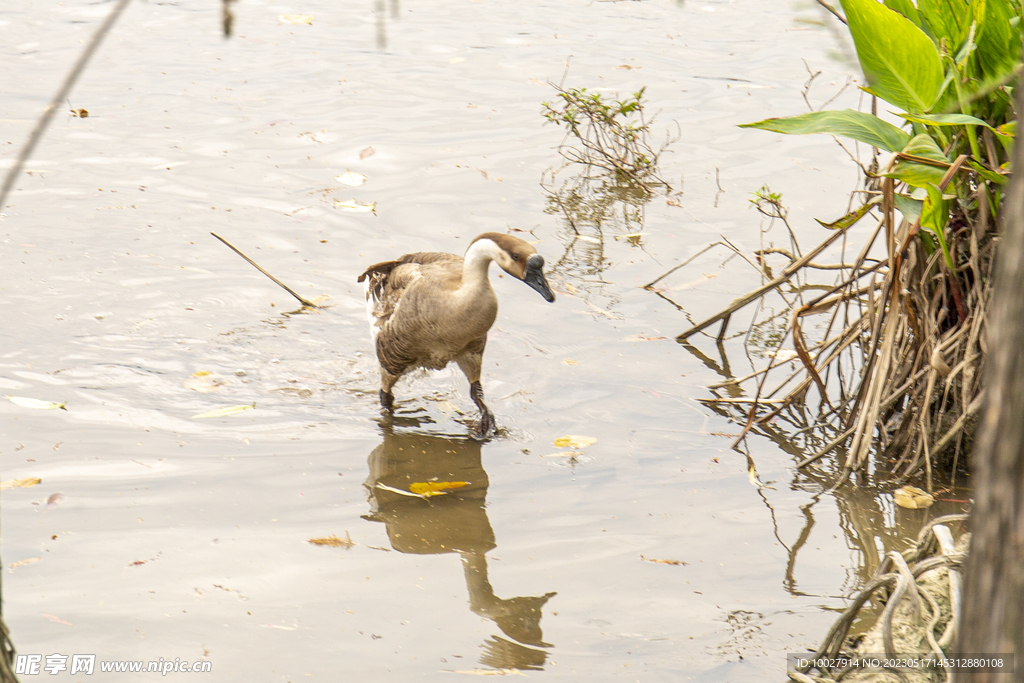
(453, 523)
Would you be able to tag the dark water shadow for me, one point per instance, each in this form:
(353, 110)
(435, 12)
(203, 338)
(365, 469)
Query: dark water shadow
(456, 522)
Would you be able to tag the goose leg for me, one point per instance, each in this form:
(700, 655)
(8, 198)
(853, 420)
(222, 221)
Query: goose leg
(470, 362)
(387, 399)
(487, 424)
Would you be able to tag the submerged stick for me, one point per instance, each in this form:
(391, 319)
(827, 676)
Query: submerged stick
(257, 267)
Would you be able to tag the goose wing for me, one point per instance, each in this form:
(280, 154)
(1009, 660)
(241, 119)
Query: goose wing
(387, 282)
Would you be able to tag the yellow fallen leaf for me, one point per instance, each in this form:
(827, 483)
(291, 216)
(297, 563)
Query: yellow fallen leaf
(351, 179)
(755, 480)
(22, 563)
(575, 441)
(435, 488)
(295, 18)
(205, 381)
(631, 236)
(334, 541)
(485, 672)
(642, 338)
(570, 361)
(564, 454)
(223, 412)
(23, 483)
(357, 206)
(912, 498)
(36, 403)
(401, 492)
(673, 562)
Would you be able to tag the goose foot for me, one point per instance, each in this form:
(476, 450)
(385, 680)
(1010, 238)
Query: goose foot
(387, 400)
(487, 426)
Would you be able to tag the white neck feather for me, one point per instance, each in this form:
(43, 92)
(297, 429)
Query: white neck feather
(476, 261)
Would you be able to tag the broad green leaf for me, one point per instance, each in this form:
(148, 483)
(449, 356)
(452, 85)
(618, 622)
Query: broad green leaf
(908, 206)
(934, 216)
(852, 217)
(223, 412)
(899, 61)
(999, 45)
(985, 173)
(944, 119)
(575, 441)
(949, 19)
(920, 174)
(907, 9)
(36, 403)
(1007, 129)
(846, 123)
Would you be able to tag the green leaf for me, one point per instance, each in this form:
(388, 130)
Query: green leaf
(949, 19)
(907, 9)
(916, 173)
(999, 45)
(846, 123)
(222, 412)
(908, 206)
(985, 173)
(934, 216)
(852, 217)
(944, 119)
(899, 61)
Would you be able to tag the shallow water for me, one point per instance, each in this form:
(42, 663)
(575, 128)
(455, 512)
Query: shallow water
(188, 538)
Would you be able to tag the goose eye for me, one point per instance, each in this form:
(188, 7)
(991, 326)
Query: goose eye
(515, 257)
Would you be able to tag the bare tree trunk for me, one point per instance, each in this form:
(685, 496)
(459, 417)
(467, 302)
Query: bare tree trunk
(993, 607)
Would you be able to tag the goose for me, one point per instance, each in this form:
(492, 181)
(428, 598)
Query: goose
(429, 308)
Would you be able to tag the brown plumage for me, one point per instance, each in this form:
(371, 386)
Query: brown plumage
(428, 309)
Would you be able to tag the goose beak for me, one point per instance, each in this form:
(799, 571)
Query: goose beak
(534, 276)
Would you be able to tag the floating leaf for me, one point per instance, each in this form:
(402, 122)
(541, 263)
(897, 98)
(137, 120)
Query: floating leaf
(53, 499)
(22, 563)
(575, 441)
(334, 541)
(572, 455)
(36, 403)
(351, 179)
(80, 113)
(912, 498)
(205, 381)
(295, 18)
(353, 205)
(401, 492)
(782, 355)
(23, 483)
(642, 338)
(367, 152)
(435, 488)
(222, 412)
(673, 562)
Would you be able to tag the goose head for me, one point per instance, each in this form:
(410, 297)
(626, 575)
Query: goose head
(518, 258)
